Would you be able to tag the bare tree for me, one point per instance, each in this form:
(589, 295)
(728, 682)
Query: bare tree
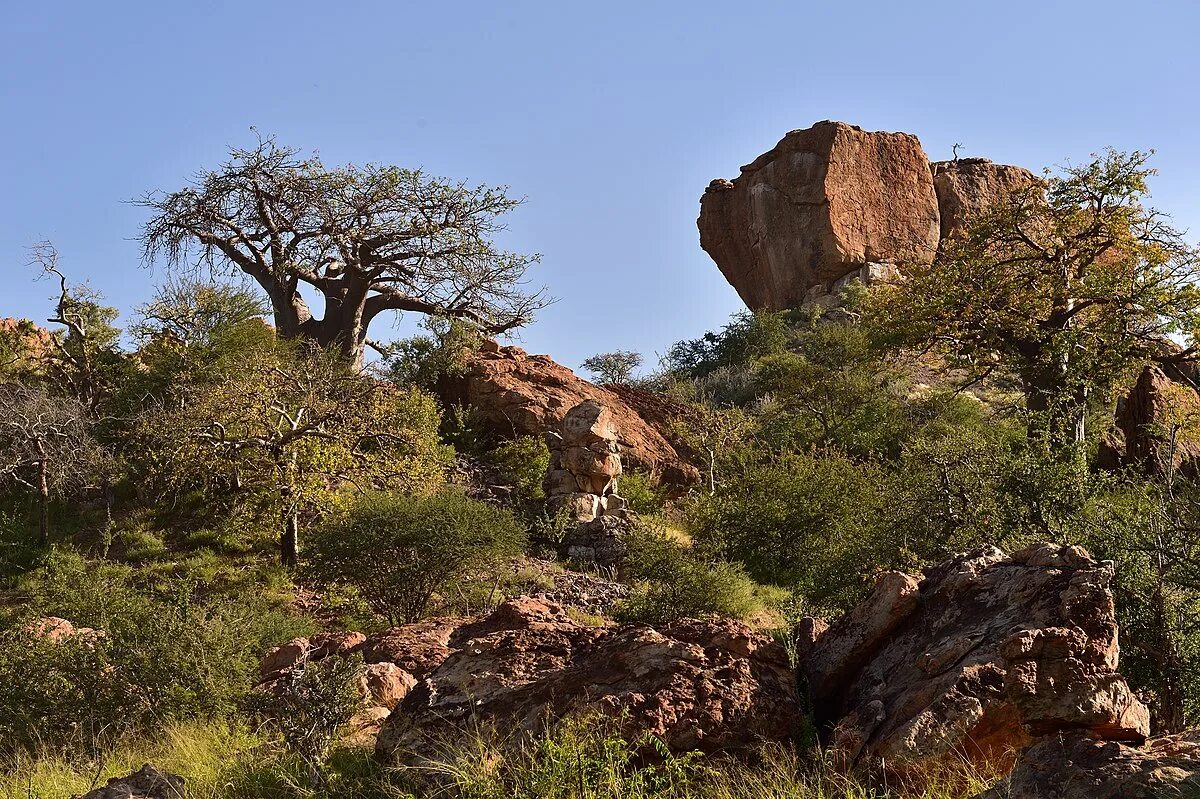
(80, 359)
(46, 445)
(366, 240)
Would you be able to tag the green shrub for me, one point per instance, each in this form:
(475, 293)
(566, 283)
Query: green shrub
(399, 550)
(523, 462)
(641, 494)
(673, 581)
(310, 705)
(160, 657)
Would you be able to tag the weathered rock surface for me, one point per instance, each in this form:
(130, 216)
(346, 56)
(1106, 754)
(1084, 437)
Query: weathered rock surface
(966, 186)
(711, 685)
(56, 630)
(821, 204)
(1075, 766)
(145, 783)
(518, 394)
(585, 462)
(1158, 403)
(983, 653)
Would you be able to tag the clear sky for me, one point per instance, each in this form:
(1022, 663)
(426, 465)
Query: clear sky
(610, 117)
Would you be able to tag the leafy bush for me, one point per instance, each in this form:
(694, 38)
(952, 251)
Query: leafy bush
(674, 581)
(158, 658)
(641, 494)
(523, 462)
(399, 550)
(312, 703)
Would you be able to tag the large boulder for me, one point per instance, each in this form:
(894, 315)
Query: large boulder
(976, 658)
(1155, 425)
(697, 685)
(147, 782)
(1076, 766)
(824, 202)
(517, 394)
(966, 186)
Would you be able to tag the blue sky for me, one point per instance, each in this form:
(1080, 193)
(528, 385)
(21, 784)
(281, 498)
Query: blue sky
(610, 117)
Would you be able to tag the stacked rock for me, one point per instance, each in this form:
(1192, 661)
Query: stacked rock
(585, 462)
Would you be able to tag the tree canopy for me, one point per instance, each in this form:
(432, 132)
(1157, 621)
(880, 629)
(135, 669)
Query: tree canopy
(364, 240)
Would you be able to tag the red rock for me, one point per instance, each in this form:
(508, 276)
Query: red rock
(989, 650)
(967, 186)
(1144, 417)
(416, 648)
(385, 684)
(1076, 766)
(708, 685)
(819, 205)
(283, 658)
(517, 394)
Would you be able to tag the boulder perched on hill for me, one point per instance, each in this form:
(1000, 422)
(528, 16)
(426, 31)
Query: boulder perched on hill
(707, 685)
(821, 204)
(977, 657)
(1076, 766)
(518, 394)
(966, 186)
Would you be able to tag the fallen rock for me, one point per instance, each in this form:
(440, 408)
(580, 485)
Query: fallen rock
(56, 630)
(821, 204)
(385, 684)
(1076, 766)
(707, 685)
(516, 394)
(983, 653)
(145, 783)
(966, 186)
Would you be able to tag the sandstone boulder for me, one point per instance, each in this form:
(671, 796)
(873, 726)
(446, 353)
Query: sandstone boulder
(711, 685)
(145, 783)
(966, 186)
(1076, 766)
(1157, 403)
(518, 394)
(982, 653)
(821, 204)
(56, 630)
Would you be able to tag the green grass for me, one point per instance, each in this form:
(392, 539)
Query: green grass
(579, 760)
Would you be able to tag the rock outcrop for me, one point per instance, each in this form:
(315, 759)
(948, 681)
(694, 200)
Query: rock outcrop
(979, 656)
(706, 685)
(1156, 424)
(585, 462)
(1075, 766)
(966, 186)
(824, 202)
(516, 394)
(146, 783)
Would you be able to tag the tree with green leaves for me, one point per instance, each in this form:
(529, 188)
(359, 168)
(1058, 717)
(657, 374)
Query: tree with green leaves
(364, 240)
(613, 368)
(291, 427)
(399, 550)
(1068, 284)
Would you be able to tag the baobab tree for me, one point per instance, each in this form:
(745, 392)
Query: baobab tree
(364, 240)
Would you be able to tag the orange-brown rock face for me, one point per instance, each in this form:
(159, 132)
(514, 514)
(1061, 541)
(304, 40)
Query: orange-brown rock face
(984, 652)
(708, 685)
(824, 202)
(1156, 405)
(968, 185)
(520, 394)
(1076, 766)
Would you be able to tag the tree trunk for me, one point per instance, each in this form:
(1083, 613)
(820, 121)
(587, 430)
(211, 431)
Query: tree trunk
(289, 539)
(43, 504)
(1055, 410)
